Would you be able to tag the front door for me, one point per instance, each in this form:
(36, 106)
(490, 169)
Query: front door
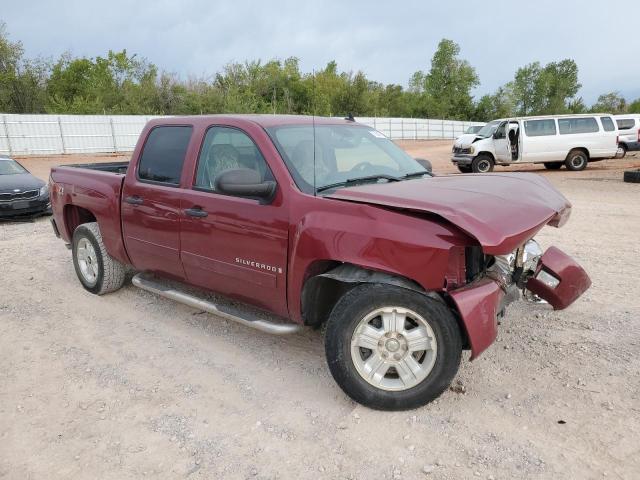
(151, 202)
(236, 246)
(501, 144)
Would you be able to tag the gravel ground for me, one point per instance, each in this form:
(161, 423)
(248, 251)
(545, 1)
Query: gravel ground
(130, 385)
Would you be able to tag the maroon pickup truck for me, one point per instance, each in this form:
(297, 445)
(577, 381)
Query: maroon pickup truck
(278, 222)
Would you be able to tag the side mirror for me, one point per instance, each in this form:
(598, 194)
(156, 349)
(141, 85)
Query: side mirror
(243, 182)
(425, 163)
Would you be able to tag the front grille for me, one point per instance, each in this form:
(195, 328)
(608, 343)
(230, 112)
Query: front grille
(462, 150)
(13, 196)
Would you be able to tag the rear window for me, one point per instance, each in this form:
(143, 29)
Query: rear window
(577, 125)
(607, 124)
(539, 128)
(625, 123)
(163, 155)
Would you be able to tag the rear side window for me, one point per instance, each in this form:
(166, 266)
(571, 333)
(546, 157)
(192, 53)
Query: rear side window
(539, 128)
(578, 125)
(607, 124)
(625, 123)
(163, 155)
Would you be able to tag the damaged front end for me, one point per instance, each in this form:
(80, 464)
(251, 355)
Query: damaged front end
(552, 277)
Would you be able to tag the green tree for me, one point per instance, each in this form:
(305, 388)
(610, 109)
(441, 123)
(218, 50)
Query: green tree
(634, 107)
(610, 102)
(445, 92)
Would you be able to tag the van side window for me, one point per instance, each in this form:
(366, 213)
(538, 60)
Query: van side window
(607, 124)
(539, 128)
(226, 148)
(577, 125)
(625, 123)
(163, 154)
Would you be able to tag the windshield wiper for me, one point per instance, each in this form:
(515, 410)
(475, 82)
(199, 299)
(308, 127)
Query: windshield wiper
(355, 181)
(416, 175)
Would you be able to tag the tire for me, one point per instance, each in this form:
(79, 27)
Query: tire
(632, 176)
(482, 164)
(576, 160)
(98, 272)
(622, 151)
(395, 387)
(553, 165)
(464, 168)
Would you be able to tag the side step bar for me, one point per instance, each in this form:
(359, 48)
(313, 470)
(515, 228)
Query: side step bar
(155, 285)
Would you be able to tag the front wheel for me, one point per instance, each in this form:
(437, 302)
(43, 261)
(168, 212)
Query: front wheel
(482, 164)
(97, 271)
(622, 151)
(390, 348)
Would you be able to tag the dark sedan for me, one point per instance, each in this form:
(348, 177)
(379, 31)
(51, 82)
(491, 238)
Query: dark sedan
(20, 192)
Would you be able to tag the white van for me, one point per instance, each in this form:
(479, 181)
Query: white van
(628, 133)
(555, 140)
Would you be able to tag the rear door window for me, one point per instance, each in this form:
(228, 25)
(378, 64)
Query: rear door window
(625, 123)
(607, 124)
(539, 128)
(577, 125)
(163, 154)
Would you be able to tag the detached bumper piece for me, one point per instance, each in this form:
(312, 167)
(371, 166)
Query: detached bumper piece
(558, 279)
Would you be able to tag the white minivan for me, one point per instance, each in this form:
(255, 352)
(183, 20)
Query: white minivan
(555, 140)
(628, 133)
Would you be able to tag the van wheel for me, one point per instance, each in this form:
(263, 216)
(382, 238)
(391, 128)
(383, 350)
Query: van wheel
(464, 168)
(97, 271)
(482, 164)
(390, 348)
(576, 160)
(553, 165)
(622, 151)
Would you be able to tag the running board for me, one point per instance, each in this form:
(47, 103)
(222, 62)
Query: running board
(250, 317)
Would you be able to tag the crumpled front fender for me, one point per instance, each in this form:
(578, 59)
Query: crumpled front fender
(478, 305)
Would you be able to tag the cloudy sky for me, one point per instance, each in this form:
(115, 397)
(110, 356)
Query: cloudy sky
(387, 40)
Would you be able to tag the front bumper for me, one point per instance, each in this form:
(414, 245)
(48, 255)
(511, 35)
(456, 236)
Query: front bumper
(462, 159)
(480, 303)
(25, 207)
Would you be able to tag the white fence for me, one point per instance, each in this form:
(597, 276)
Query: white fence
(55, 134)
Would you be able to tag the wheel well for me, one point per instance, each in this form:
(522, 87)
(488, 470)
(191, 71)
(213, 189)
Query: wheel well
(488, 154)
(579, 149)
(75, 216)
(322, 290)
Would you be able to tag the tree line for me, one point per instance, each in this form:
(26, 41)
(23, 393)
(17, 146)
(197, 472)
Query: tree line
(120, 83)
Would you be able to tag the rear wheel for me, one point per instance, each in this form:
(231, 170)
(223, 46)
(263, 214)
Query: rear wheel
(576, 160)
(390, 348)
(622, 151)
(464, 168)
(482, 164)
(97, 271)
(553, 165)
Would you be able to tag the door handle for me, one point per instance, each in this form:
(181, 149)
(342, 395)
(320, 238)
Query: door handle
(196, 212)
(134, 200)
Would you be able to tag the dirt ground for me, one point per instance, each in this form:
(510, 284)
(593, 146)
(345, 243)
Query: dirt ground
(131, 385)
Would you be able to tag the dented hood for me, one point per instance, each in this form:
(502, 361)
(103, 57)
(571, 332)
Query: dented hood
(501, 210)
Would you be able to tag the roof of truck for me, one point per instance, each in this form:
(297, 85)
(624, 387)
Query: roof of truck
(564, 115)
(265, 120)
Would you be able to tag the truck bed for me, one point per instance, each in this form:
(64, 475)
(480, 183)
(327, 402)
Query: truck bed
(112, 167)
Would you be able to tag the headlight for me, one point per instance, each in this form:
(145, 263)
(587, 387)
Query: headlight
(44, 190)
(471, 150)
(531, 256)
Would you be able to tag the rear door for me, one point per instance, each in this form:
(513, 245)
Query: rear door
(151, 201)
(234, 245)
(541, 144)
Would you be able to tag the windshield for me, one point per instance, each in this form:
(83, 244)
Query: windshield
(474, 129)
(10, 167)
(343, 153)
(488, 129)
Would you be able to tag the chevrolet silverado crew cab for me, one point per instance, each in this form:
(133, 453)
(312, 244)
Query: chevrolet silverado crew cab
(281, 222)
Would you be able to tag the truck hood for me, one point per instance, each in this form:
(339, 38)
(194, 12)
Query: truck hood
(465, 140)
(501, 211)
